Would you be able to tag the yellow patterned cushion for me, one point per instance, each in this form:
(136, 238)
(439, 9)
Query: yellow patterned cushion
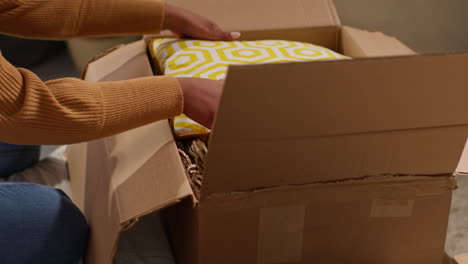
(210, 59)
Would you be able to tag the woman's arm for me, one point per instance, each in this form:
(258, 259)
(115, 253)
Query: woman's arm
(60, 19)
(71, 110)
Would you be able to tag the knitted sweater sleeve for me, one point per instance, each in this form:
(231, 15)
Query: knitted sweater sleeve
(60, 19)
(71, 110)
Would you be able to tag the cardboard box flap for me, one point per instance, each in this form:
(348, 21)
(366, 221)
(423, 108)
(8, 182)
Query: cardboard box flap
(460, 259)
(462, 168)
(127, 153)
(128, 176)
(245, 15)
(359, 43)
(123, 63)
(145, 160)
(279, 124)
(133, 173)
(76, 163)
(316, 99)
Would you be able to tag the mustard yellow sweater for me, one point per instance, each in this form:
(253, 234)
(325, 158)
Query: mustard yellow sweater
(71, 110)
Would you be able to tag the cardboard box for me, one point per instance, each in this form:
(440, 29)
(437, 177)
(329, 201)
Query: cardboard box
(330, 162)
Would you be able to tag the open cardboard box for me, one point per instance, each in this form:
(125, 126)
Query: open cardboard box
(332, 162)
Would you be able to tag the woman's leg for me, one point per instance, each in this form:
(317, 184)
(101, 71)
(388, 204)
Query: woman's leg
(15, 158)
(39, 224)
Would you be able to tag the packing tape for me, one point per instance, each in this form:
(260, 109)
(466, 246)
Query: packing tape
(391, 208)
(280, 236)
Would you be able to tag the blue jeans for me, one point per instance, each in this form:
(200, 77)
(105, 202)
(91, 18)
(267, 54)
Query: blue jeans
(15, 158)
(40, 225)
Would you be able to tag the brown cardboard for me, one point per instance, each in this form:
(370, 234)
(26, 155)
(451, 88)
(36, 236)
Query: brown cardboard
(115, 198)
(460, 259)
(262, 15)
(332, 219)
(343, 171)
(360, 43)
(297, 20)
(338, 216)
(462, 167)
(334, 118)
(76, 154)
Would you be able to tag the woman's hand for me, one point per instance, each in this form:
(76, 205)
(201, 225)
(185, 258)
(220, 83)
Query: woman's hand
(185, 23)
(201, 98)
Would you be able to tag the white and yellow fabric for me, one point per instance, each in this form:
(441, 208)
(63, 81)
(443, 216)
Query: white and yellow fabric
(210, 59)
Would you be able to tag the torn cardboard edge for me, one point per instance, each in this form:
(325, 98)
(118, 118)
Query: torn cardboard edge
(433, 185)
(97, 57)
(371, 43)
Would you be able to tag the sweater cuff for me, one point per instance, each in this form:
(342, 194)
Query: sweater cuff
(120, 17)
(133, 103)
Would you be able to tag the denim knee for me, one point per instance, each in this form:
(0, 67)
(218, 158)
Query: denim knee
(39, 224)
(15, 158)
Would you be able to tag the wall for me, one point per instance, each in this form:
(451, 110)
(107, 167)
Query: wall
(427, 26)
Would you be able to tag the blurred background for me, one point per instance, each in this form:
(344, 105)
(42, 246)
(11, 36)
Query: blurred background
(427, 26)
